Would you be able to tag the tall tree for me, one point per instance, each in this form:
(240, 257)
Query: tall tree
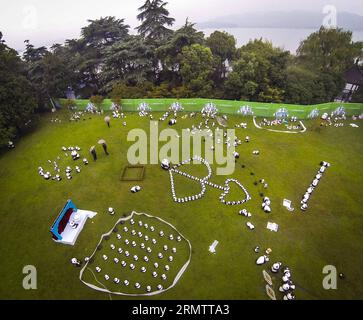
(301, 85)
(196, 68)
(223, 46)
(328, 53)
(32, 54)
(34, 58)
(259, 74)
(104, 32)
(129, 62)
(358, 96)
(154, 19)
(17, 102)
(96, 37)
(170, 51)
(329, 50)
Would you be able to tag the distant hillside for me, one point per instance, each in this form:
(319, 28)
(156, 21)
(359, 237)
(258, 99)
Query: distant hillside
(293, 19)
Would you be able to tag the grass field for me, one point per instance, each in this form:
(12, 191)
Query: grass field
(329, 233)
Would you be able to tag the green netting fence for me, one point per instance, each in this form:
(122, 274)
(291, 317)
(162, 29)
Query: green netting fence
(259, 109)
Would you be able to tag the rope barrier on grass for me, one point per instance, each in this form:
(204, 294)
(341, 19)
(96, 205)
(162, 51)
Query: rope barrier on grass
(281, 131)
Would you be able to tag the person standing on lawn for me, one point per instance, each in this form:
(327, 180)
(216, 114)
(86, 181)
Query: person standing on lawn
(92, 150)
(107, 120)
(104, 146)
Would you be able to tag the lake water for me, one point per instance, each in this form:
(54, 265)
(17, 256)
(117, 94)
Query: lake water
(289, 39)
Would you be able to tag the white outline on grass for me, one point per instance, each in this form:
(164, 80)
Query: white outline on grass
(178, 276)
(281, 131)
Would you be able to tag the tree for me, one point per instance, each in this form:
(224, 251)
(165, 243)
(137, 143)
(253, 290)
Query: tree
(181, 92)
(329, 50)
(168, 53)
(154, 18)
(196, 68)
(32, 54)
(104, 32)
(68, 103)
(162, 91)
(35, 72)
(129, 62)
(277, 59)
(300, 85)
(141, 90)
(329, 53)
(119, 90)
(116, 99)
(49, 72)
(97, 100)
(223, 47)
(90, 50)
(259, 74)
(358, 96)
(17, 102)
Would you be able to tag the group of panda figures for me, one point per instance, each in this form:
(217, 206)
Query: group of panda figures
(304, 202)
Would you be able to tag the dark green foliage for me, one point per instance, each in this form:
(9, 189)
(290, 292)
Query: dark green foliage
(259, 73)
(223, 47)
(160, 63)
(358, 96)
(196, 69)
(127, 61)
(97, 101)
(154, 18)
(69, 104)
(17, 102)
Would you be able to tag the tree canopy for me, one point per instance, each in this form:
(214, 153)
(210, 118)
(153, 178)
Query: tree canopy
(154, 19)
(17, 102)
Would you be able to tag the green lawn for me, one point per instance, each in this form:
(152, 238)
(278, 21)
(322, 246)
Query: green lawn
(329, 233)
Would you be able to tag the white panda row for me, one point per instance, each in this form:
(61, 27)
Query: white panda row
(164, 116)
(194, 197)
(143, 113)
(288, 286)
(241, 125)
(226, 192)
(140, 235)
(185, 199)
(71, 148)
(313, 185)
(137, 284)
(135, 258)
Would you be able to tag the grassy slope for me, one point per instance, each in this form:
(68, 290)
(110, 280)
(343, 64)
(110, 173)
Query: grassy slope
(329, 233)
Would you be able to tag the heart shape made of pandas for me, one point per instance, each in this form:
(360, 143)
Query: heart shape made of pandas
(202, 180)
(226, 192)
(189, 161)
(187, 198)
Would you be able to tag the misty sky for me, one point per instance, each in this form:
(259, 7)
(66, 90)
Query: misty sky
(45, 22)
